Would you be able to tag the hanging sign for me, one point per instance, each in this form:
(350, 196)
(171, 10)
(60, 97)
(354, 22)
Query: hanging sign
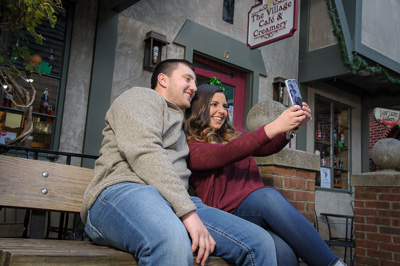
(387, 117)
(270, 21)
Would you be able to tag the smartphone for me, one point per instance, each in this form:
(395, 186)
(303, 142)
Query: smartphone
(294, 92)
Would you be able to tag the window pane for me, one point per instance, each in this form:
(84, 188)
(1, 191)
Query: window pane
(332, 142)
(49, 57)
(11, 125)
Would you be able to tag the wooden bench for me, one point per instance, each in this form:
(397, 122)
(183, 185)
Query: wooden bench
(43, 186)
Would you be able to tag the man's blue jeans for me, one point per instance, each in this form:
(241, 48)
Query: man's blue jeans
(137, 219)
(270, 210)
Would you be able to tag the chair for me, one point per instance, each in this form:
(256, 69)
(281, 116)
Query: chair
(346, 241)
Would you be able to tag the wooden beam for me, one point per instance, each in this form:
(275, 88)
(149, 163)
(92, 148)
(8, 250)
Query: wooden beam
(121, 5)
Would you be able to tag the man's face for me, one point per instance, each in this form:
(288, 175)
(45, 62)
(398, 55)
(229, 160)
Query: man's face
(181, 86)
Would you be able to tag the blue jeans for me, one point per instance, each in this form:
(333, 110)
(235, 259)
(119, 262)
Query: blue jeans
(137, 219)
(267, 208)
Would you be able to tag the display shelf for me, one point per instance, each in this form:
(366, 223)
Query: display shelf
(19, 111)
(332, 143)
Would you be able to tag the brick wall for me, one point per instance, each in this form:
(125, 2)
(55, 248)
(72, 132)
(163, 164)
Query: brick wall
(377, 225)
(297, 185)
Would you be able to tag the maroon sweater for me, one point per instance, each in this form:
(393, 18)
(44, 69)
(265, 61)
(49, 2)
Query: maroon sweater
(223, 175)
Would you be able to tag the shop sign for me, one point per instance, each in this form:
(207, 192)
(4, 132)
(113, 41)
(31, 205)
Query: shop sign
(270, 21)
(325, 177)
(387, 117)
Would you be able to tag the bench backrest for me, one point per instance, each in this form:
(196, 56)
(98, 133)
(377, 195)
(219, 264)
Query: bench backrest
(42, 185)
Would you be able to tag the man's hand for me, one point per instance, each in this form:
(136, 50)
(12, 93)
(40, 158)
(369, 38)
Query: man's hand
(201, 239)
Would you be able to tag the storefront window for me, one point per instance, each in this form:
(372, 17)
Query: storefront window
(12, 121)
(50, 57)
(332, 143)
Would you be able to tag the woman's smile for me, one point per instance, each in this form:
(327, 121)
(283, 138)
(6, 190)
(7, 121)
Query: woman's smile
(218, 110)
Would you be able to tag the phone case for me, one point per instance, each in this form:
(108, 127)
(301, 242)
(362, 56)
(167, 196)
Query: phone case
(294, 92)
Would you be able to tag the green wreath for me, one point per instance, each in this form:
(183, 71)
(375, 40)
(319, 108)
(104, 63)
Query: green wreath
(217, 82)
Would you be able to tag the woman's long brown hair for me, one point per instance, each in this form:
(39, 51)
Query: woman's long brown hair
(197, 119)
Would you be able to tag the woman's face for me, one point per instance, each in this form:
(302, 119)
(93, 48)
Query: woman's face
(218, 110)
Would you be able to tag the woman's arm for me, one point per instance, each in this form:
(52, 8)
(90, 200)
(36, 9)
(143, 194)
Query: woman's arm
(204, 156)
(293, 117)
(276, 145)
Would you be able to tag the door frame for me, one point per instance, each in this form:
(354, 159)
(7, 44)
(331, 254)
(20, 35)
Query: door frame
(230, 76)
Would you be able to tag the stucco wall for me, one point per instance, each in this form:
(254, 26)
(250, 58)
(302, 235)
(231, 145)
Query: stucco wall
(380, 23)
(79, 76)
(168, 17)
(281, 60)
(320, 27)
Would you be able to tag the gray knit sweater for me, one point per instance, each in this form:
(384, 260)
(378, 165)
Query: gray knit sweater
(143, 143)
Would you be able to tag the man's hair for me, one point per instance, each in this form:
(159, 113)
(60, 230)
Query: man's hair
(197, 119)
(167, 67)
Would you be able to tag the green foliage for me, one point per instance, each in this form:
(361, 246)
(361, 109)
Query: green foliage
(24, 15)
(217, 82)
(357, 62)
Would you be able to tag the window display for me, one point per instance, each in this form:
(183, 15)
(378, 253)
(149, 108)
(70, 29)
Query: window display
(332, 143)
(12, 121)
(46, 80)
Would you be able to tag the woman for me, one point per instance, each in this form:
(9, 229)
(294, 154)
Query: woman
(225, 175)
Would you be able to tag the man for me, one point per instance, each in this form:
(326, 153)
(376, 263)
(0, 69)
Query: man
(138, 200)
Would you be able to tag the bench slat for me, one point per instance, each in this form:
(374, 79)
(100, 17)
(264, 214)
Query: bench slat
(19, 251)
(22, 183)
(59, 252)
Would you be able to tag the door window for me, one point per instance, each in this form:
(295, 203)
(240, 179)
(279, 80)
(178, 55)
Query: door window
(233, 80)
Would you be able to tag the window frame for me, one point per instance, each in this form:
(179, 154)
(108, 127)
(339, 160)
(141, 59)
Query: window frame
(333, 146)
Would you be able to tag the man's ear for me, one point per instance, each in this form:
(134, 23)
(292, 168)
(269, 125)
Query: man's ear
(162, 80)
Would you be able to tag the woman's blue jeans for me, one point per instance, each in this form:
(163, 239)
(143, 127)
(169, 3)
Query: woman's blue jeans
(267, 208)
(137, 219)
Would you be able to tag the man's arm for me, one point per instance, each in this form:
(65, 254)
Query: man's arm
(204, 156)
(138, 120)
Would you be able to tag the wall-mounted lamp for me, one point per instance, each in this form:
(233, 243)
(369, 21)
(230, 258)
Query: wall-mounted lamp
(153, 51)
(279, 89)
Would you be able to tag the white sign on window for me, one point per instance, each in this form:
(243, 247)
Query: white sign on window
(325, 177)
(270, 21)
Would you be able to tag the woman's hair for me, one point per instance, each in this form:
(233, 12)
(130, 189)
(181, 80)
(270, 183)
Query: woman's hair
(197, 119)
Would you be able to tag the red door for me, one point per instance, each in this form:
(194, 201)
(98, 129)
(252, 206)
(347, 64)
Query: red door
(233, 81)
